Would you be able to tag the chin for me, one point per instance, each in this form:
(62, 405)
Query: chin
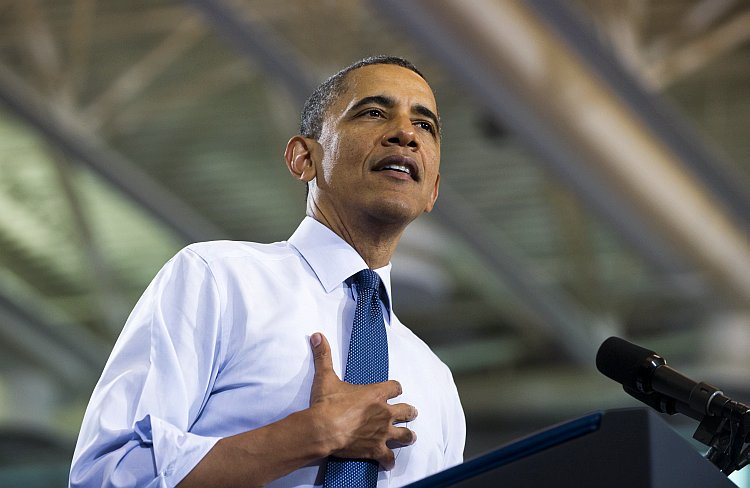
(393, 213)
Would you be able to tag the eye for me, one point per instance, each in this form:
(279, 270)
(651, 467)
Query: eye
(425, 126)
(373, 112)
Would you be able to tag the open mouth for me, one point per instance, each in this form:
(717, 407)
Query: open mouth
(398, 164)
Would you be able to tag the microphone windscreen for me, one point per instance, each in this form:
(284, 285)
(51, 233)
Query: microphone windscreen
(622, 361)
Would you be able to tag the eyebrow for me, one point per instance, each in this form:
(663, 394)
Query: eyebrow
(389, 102)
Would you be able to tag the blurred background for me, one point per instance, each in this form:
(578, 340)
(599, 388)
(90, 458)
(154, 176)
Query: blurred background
(595, 169)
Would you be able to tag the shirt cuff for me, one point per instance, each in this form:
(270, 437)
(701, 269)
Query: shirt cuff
(176, 452)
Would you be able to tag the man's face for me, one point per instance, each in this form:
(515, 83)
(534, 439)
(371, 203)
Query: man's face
(380, 148)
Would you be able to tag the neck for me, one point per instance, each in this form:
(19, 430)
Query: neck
(374, 240)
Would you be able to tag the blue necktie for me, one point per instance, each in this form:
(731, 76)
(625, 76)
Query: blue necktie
(367, 362)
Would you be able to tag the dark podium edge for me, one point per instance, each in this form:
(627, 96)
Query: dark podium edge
(519, 449)
(656, 454)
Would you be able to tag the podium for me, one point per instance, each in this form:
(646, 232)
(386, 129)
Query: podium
(624, 448)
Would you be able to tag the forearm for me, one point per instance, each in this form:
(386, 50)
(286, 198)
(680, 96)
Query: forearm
(257, 457)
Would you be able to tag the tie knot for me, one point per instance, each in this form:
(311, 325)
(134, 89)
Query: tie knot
(367, 279)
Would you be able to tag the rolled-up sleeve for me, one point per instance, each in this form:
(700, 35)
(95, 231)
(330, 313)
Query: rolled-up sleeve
(136, 430)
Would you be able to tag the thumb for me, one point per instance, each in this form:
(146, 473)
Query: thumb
(321, 353)
(324, 372)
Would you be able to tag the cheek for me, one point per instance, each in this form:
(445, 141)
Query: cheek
(431, 151)
(330, 157)
(342, 161)
(432, 165)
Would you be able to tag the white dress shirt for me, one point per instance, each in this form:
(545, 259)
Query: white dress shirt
(219, 344)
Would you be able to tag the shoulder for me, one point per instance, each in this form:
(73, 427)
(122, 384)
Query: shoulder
(218, 254)
(212, 251)
(247, 265)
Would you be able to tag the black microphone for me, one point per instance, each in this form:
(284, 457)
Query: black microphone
(646, 376)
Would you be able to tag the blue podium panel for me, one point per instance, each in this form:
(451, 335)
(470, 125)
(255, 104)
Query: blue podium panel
(628, 448)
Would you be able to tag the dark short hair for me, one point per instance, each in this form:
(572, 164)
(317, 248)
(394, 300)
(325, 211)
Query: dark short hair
(314, 110)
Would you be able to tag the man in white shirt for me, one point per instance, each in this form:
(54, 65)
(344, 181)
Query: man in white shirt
(228, 370)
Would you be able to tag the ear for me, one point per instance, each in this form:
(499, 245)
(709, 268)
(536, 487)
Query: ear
(433, 197)
(299, 157)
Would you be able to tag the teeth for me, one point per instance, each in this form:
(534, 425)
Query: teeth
(398, 167)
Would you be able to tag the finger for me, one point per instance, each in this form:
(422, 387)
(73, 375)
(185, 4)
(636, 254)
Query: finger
(386, 459)
(401, 437)
(404, 436)
(321, 353)
(403, 412)
(390, 388)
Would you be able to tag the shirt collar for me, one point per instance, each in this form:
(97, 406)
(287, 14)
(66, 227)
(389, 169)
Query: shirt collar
(332, 259)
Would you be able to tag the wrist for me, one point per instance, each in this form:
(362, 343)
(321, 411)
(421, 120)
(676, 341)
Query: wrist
(318, 430)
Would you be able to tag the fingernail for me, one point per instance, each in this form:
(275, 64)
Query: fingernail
(315, 339)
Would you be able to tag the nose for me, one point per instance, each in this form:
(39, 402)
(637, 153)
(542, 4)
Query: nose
(401, 135)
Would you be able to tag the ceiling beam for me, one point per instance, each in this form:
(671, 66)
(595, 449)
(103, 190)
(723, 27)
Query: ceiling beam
(63, 128)
(260, 45)
(681, 147)
(558, 317)
(691, 56)
(694, 200)
(109, 299)
(67, 351)
(188, 32)
(33, 234)
(695, 21)
(79, 42)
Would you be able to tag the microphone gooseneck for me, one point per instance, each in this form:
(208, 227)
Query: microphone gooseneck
(643, 374)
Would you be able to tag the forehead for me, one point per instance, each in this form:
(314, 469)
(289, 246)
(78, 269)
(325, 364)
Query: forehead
(402, 84)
